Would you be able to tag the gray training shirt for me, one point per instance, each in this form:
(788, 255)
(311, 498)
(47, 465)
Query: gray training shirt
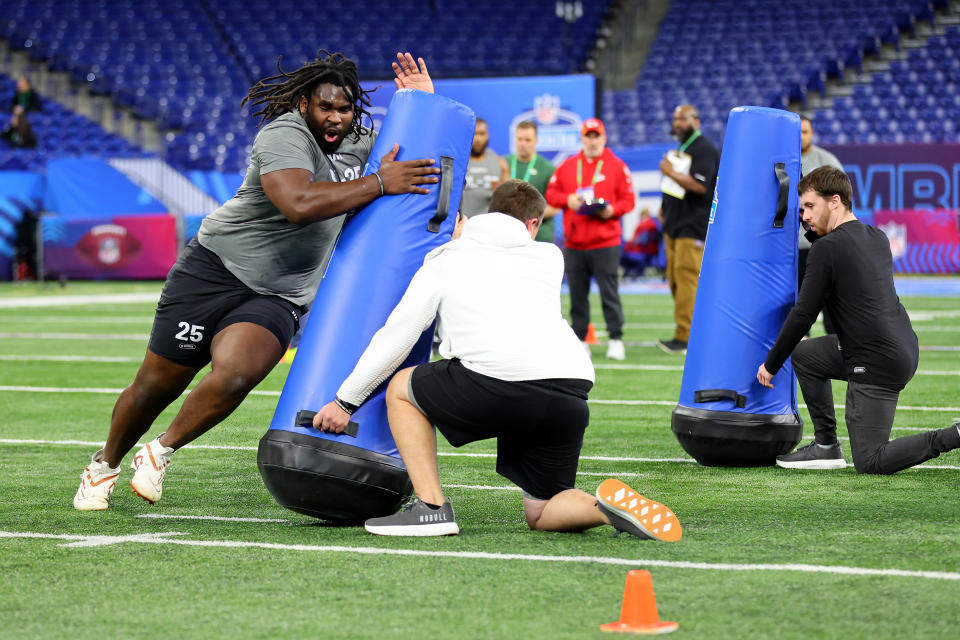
(478, 190)
(267, 252)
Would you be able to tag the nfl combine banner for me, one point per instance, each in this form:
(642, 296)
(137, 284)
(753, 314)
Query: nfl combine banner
(557, 104)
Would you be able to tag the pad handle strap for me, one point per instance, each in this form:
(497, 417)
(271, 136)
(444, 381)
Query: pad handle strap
(305, 419)
(784, 181)
(711, 395)
(443, 202)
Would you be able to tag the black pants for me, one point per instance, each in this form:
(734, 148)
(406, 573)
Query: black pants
(602, 265)
(869, 413)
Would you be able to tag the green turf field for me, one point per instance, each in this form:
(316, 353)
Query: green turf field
(766, 553)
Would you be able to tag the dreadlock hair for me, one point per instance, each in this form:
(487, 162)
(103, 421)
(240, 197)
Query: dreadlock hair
(282, 92)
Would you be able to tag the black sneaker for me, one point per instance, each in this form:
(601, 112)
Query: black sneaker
(813, 456)
(642, 517)
(673, 346)
(416, 519)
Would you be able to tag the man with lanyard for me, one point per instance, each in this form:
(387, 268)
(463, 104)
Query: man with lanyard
(527, 165)
(237, 293)
(689, 178)
(594, 188)
(850, 272)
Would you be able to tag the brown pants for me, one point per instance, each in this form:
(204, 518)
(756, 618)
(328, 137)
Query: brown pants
(683, 271)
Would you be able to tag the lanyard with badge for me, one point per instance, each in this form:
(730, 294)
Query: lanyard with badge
(681, 163)
(526, 175)
(683, 147)
(586, 193)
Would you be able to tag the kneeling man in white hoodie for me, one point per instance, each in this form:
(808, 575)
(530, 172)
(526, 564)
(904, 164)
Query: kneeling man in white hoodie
(512, 370)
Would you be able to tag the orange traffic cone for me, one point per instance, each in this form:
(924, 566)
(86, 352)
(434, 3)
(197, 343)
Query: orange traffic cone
(638, 614)
(591, 334)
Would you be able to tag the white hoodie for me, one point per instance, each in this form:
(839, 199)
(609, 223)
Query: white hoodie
(497, 292)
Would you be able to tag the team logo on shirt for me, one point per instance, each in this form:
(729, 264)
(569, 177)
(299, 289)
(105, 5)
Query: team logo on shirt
(897, 235)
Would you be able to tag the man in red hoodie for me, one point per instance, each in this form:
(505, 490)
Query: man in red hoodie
(594, 188)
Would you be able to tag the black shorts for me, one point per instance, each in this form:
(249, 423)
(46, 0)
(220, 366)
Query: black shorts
(201, 297)
(538, 424)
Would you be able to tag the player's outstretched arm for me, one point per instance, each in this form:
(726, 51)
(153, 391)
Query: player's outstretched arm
(410, 74)
(302, 201)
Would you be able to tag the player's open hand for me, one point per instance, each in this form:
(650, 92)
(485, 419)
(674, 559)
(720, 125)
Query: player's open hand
(410, 75)
(331, 418)
(404, 176)
(764, 377)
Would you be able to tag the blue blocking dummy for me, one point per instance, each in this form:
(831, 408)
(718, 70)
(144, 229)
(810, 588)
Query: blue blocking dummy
(748, 284)
(353, 477)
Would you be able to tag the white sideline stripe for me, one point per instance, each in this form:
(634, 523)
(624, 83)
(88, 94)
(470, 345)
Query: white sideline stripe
(446, 454)
(72, 301)
(74, 336)
(15, 358)
(667, 367)
(165, 516)
(30, 320)
(482, 487)
(621, 367)
(159, 538)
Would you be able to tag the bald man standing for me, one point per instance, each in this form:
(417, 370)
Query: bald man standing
(690, 175)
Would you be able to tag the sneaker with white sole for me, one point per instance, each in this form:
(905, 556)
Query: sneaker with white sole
(616, 350)
(416, 519)
(642, 517)
(814, 456)
(96, 484)
(150, 465)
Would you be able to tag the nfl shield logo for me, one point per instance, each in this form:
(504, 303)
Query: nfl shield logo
(547, 107)
(897, 234)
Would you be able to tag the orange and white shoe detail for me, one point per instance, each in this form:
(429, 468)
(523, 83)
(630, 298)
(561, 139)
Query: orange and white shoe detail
(150, 467)
(96, 484)
(651, 517)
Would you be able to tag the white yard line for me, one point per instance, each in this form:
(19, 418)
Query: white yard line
(74, 336)
(78, 300)
(88, 359)
(613, 367)
(442, 454)
(170, 516)
(32, 320)
(175, 538)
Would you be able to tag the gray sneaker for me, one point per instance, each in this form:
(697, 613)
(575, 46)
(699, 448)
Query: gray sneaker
(813, 456)
(416, 519)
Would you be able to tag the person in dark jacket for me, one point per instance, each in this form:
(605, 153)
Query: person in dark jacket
(26, 97)
(850, 273)
(19, 133)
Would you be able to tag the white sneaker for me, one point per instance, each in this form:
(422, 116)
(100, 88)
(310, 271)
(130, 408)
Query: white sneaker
(96, 484)
(616, 350)
(150, 465)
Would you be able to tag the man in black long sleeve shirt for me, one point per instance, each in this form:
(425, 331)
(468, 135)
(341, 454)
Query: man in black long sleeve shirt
(850, 273)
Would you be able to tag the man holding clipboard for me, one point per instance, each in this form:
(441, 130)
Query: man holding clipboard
(594, 188)
(689, 177)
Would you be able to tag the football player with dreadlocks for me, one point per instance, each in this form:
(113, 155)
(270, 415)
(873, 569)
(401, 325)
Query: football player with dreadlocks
(235, 297)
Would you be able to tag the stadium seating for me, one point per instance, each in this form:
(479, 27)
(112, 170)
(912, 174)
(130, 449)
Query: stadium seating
(60, 132)
(189, 63)
(717, 54)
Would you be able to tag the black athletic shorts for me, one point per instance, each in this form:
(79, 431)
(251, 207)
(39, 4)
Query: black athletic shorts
(201, 297)
(538, 424)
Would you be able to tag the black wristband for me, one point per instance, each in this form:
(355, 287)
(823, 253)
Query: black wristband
(346, 406)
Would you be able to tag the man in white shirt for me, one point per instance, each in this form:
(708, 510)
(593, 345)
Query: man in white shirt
(513, 370)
